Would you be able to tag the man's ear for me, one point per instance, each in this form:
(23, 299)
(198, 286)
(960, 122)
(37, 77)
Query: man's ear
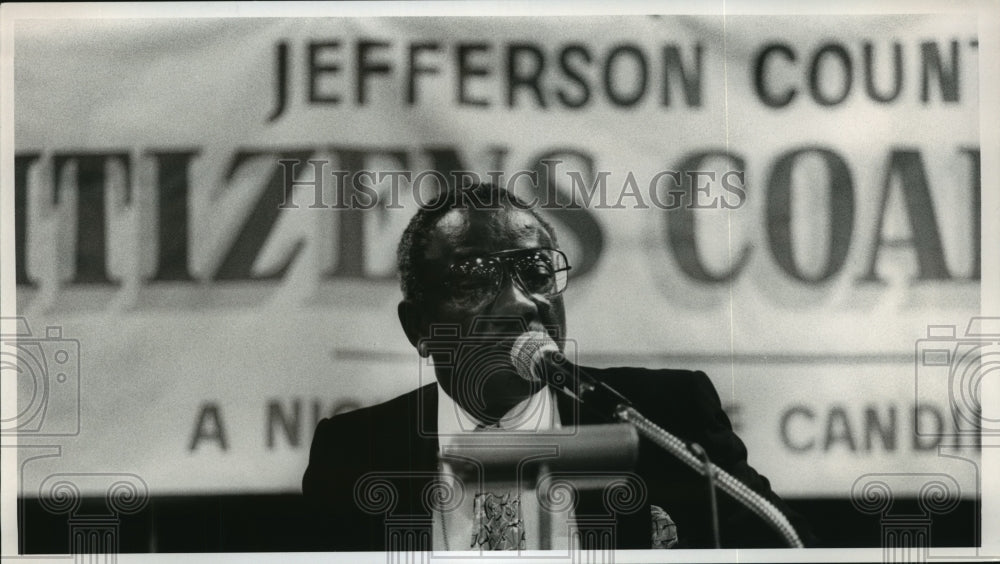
(412, 320)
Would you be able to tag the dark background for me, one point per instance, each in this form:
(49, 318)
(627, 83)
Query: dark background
(281, 523)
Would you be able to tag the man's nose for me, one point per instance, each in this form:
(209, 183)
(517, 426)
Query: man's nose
(512, 301)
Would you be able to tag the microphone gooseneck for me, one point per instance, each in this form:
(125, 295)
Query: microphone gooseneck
(537, 358)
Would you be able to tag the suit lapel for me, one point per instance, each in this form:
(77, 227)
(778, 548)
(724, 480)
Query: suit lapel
(416, 459)
(572, 413)
(424, 438)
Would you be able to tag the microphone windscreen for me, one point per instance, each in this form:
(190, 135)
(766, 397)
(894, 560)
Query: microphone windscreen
(527, 353)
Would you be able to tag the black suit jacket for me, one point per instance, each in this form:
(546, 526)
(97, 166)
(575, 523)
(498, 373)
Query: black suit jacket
(369, 469)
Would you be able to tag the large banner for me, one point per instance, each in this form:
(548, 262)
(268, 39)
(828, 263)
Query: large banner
(207, 214)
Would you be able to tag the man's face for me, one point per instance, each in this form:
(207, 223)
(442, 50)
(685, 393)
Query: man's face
(474, 366)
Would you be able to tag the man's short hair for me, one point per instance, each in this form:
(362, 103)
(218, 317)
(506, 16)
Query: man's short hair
(413, 243)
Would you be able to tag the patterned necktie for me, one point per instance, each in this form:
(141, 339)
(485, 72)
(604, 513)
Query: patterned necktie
(497, 523)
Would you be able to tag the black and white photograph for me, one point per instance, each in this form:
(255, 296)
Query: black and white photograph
(506, 281)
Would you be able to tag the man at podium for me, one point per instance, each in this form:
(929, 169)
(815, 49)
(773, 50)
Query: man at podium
(478, 267)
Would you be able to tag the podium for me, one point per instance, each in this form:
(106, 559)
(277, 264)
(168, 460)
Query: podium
(543, 474)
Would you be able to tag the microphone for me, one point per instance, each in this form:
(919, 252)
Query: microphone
(537, 358)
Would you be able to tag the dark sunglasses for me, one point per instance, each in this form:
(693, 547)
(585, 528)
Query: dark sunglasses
(474, 282)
